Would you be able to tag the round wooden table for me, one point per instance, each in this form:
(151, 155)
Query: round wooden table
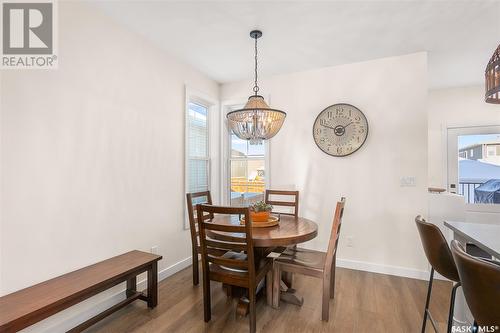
(290, 231)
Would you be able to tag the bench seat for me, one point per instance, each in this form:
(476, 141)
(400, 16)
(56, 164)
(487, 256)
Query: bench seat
(25, 307)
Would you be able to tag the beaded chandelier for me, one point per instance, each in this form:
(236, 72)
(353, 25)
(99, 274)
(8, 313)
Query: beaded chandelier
(256, 121)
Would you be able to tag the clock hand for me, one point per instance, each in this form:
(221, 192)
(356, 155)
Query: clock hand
(347, 124)
(327, 126)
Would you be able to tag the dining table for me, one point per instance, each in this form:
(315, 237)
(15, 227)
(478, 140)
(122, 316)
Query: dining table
(290, 230)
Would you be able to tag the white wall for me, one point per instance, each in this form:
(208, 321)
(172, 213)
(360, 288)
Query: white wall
(92, 154)
(392, 92)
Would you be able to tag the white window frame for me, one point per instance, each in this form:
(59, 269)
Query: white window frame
(195, 96)
(225, 162)
(452, 134)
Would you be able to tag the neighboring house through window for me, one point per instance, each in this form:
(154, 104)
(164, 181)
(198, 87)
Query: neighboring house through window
(473, 165)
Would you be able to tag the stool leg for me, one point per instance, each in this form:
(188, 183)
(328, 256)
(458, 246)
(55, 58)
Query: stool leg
(428, 300)
(452, 306)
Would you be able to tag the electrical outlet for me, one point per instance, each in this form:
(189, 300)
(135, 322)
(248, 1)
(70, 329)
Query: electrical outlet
(350, 241)
(154, 249)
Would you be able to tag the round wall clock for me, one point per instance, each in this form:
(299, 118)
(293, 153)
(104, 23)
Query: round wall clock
(340, 129)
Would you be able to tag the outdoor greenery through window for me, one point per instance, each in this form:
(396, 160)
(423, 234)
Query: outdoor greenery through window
(247, 171)
(198, 168)
(479, 168)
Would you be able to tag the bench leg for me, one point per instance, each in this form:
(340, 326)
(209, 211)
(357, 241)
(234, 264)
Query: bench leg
(131, 286)
(153, 285)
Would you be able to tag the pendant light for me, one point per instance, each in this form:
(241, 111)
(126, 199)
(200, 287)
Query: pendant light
(492, 78)
(256, 121)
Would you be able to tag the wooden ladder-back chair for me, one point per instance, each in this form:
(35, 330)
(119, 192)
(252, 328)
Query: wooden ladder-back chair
(276, 203)
(312, 263)
(231, 261)
(192, 200)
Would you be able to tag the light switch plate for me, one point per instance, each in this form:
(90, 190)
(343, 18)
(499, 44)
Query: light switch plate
(408, 181)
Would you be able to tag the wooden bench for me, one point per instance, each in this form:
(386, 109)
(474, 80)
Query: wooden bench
(28, 306)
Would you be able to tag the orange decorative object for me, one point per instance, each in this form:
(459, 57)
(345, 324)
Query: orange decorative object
(260, 216)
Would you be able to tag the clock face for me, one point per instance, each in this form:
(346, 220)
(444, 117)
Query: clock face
(340, 129)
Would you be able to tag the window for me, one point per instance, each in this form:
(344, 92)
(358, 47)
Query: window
(473, 167)
(247, 171)
(197, 148)
(246, 175)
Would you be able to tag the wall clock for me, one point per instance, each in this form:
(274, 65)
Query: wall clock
(340, 129)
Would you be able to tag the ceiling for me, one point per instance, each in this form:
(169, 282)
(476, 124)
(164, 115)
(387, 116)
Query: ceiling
(459, 36)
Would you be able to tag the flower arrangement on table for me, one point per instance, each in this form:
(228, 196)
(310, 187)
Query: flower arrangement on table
(260, 211)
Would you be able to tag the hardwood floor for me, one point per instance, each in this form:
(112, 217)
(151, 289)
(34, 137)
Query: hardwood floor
(364, 302)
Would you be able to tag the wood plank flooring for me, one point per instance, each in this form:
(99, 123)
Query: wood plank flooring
(364, 302)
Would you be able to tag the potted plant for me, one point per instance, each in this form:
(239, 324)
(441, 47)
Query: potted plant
(260, 211)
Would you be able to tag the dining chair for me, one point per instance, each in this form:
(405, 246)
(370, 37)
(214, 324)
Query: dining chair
(481, 285)
(312, 263)
(441, 260)
(270, 194)
(192, 200)
(272, 197)
(230, 261)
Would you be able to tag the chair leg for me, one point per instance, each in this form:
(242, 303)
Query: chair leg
(431, 278)
(252, 310)
(269, 288)
(276, 285)
(325, 307)
(332, 281)
(452, 306)
(196, 274)
(207, 312)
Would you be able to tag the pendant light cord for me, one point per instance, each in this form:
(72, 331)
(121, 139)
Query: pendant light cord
(256, 87)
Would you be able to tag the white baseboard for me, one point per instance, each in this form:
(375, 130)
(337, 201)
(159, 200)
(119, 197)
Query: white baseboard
(172, 269)
(383, 269)
(69, 318)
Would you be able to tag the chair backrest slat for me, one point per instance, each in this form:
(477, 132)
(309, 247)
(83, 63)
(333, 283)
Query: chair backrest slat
(215, 251)
(192, 215)
(226, 245)
(225, 228)
(281, 203)
(334, 235)
(232, 263)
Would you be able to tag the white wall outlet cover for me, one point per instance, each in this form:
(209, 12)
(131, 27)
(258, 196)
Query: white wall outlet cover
(408, 181)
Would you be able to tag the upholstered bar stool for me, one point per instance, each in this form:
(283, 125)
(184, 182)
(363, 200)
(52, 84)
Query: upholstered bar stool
(481, 285)
(439, 256)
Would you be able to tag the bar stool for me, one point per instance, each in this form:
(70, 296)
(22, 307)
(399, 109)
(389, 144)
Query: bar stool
(439, 256)
(481, 285)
